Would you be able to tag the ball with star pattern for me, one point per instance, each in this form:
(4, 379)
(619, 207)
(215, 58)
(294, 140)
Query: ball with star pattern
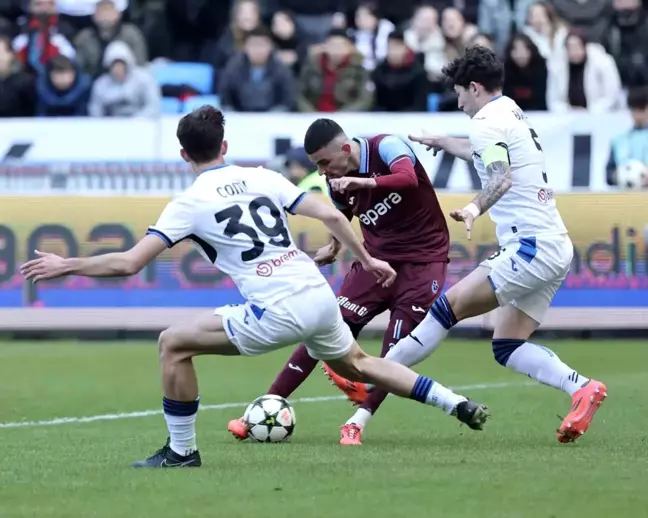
(270, 418)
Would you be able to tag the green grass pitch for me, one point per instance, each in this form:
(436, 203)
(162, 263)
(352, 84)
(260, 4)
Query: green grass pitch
(415, 460)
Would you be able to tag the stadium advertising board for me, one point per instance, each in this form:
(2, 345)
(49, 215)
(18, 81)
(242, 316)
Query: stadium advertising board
(608, 277)
(576, 146)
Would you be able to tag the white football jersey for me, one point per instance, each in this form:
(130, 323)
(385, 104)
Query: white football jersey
(236, 217)
(528, 209)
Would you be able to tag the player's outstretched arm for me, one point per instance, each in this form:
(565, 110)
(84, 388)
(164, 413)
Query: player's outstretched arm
(341, 228)
(119, 264)
(459, 147)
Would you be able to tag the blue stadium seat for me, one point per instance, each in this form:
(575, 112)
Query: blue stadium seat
(198, 75)
(199, 100)
(433, 102)
(171, 105)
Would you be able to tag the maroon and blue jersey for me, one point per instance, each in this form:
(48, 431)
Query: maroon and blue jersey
(401, 219)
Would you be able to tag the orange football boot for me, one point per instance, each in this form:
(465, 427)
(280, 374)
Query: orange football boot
(356, 392)
(238, 428)
(351, 435)
(585, 402)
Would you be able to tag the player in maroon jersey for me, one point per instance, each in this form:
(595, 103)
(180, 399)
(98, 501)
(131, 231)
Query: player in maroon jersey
(381, 182)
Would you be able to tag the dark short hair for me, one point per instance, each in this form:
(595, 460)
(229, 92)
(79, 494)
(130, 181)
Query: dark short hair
(320, 134)
(638, 98)
(397, 35)
(258, 32)
(479, 65)
(60, 64)
(201, 133)
(338, 33)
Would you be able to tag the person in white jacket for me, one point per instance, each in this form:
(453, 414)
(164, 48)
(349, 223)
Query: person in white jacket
(126, 90)
(587, 80)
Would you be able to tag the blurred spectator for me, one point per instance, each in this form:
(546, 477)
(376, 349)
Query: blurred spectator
(10, 12)
(63, 91)
(590, 16)
(483, 40)
(78, 13)
(246, 16)
(315, 18)
(303, 173)
(256, 80)
(400, 80)
(333, 78)
(91, 43)
(632, 145)
(525, 71)
(41, 38)
(17, 95)
(424, 36)
(286, 40)
(398, 12)
(496, 17)
(589, 80)
(194, 29)
(126, 90)
(546, 31)
(457, 32)
(627, 41)
(370, 34)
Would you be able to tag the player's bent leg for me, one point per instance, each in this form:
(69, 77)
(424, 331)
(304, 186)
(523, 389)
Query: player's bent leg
(398, 379)
(404, 317)
(512, 349)
(471, 296)
(177, 346)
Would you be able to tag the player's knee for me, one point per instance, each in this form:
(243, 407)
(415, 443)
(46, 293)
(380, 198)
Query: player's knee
(352, 366)
(167, 344)
(503, 348)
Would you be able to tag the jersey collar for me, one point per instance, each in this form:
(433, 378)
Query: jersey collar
(215, 167)
(364, 154)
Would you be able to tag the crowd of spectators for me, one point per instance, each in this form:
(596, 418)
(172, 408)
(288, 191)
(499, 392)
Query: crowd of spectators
(94, 57)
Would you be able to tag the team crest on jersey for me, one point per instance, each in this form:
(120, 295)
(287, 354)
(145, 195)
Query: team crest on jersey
(435, 287)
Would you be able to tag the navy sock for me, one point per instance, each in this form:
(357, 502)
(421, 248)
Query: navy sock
(180, 408)
(503, 348)
(442, 312)
(421, 389)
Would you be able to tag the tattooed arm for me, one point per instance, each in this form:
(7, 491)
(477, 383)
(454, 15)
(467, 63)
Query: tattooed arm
(499, 183)
(496, 162)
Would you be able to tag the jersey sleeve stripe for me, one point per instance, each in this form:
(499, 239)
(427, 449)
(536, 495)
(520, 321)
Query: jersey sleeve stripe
(294, 204)
(399, 158)
(161, 235)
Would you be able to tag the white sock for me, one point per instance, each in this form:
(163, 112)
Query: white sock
(180, 417)
(361, 417)
(443, 398)
(419, 344)
(426, 337)
(543, 365)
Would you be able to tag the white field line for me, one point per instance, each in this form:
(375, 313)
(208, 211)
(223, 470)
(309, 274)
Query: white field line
(222, 406)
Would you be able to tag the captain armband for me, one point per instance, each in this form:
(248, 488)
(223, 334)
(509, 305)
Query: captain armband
(495, 153)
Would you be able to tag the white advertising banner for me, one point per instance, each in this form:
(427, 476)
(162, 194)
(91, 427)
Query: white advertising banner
(576, 146)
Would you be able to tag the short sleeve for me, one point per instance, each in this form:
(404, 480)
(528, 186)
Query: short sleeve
(176, 221)
(393, 149)
(488, 140)
(285, 192)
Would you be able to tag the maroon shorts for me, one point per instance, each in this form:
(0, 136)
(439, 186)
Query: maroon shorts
(417, 286)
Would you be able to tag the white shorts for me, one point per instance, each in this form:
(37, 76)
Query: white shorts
(528, 272)
(311, 316)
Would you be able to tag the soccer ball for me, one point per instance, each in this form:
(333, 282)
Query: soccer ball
(632, 175)
(270, 418)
